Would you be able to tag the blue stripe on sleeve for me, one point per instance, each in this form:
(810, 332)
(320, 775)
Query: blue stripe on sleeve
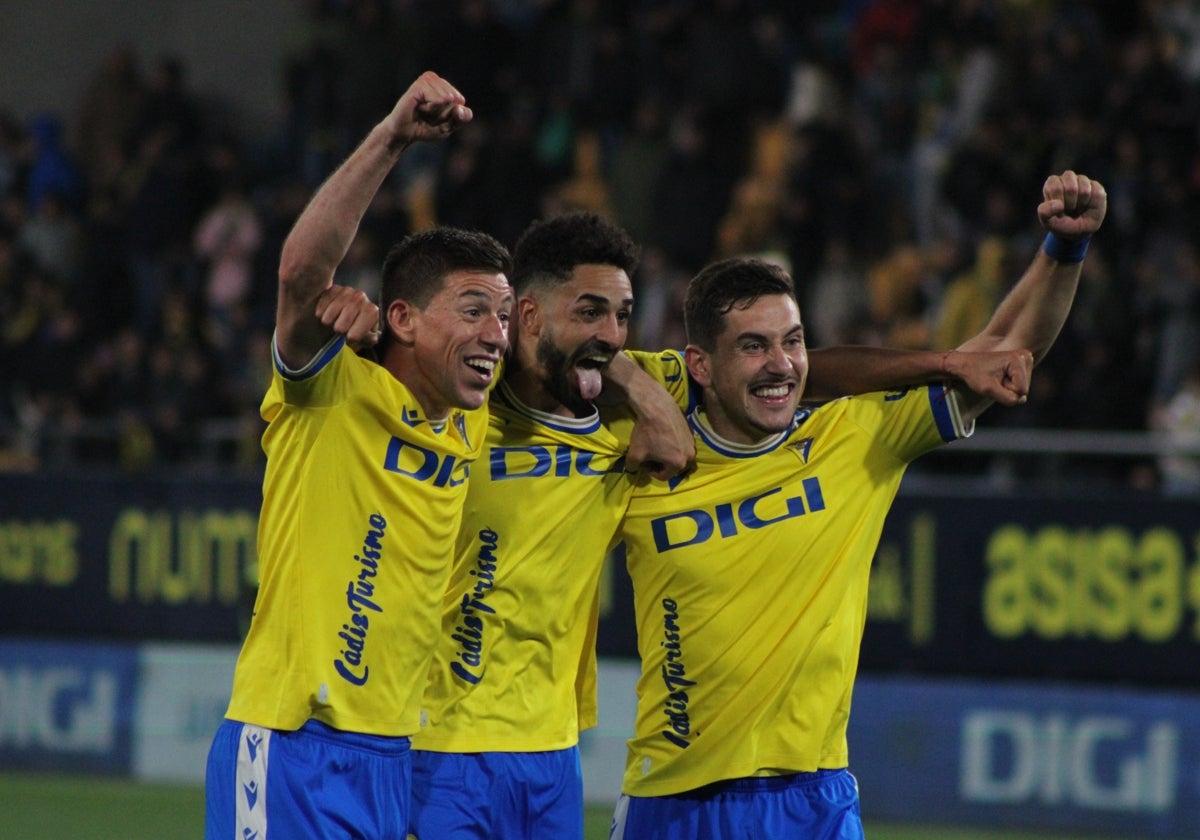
(312, 368)
(941, 413)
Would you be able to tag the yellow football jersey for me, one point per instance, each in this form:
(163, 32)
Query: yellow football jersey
(750, 587)
(515, 667)
(362, 500)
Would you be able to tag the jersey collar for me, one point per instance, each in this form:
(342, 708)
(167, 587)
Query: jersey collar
(577, 425)
(700, 425)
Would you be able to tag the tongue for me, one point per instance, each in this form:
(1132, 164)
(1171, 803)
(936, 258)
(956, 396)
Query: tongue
(589, 383)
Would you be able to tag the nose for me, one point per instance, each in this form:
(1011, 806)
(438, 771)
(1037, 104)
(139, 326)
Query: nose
(778, 361)
(495, 333)
(611, 332)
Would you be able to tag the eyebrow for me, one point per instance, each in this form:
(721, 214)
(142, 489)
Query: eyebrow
(483, 297)
(753, 336)
(601, 300)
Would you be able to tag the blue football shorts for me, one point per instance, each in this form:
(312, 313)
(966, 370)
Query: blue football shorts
(821, 804)
(316, 782)
(498, 795)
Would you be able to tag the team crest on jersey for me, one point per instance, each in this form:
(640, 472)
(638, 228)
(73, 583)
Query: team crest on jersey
(801, 448)
(410, 418)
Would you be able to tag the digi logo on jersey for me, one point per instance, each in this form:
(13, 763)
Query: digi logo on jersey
(727, 519)
(560, 461)
(424, 464)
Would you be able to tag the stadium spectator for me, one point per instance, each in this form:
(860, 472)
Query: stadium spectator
(1179, 417)
(992, 92)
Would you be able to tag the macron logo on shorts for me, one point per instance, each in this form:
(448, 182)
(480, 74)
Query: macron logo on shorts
(253, 748)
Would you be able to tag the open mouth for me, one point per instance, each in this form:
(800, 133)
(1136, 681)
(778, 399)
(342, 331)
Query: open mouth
(484, 367)
(588, 377)
(596, 361)
(773, 391)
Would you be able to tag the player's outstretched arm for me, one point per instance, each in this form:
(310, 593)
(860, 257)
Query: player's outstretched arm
(1032, 314)
(1001, 376)
(661, 442)
(431, 108)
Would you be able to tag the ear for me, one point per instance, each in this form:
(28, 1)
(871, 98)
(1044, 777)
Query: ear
(401, 321)
(699, 365)
(529, 317)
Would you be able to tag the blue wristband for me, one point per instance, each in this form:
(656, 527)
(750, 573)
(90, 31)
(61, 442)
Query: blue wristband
(1065, 251)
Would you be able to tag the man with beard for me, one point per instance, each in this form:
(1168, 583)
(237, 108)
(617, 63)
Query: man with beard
(513, 680)
(497, 755)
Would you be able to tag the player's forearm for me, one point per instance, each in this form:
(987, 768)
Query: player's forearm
(662, 441)
(1033, 313)
(626, 382)
(839, 371)
(319, 240)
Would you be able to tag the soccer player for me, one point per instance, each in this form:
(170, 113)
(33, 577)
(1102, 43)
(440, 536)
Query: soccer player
(363, 492)
(513, 680)
(497, 755)
(750, 573)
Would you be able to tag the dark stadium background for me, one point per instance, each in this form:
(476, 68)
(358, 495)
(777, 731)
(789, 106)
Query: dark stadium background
(890, 153)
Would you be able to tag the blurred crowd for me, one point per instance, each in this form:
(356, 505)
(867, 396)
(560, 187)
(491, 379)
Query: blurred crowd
(889, 153)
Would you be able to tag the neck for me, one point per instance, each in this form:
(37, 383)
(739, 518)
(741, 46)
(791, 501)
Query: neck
(526, 380)
(400, 364)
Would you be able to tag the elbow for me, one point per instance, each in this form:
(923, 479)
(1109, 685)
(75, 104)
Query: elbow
(297, 277)
(291, 267)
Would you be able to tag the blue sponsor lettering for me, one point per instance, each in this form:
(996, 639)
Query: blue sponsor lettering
(468, 630)
(360, 593)
(423, 464)
(674, 676)
(560, 461)
(692, 527)
(672, 369)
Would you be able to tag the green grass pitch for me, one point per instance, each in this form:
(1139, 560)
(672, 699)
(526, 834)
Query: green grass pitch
(37, 806)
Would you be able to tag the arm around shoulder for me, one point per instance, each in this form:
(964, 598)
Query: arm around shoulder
(662, 441)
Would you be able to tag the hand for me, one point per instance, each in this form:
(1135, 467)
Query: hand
(430, 109)
(351, 313)
(1001, 375)
(1074, 205)
(663, 445)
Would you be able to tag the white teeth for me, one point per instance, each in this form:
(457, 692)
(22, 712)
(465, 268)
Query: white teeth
(771, 391)
(485, 365)
(600, 360)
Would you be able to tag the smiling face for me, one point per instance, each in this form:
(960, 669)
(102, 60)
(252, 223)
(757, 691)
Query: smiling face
(754, 377)
(450, 349)
(576, 327)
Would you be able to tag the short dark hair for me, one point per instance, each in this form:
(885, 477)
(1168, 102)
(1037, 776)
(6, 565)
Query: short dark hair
(550, 249)
(718, 288)
(416, 266)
